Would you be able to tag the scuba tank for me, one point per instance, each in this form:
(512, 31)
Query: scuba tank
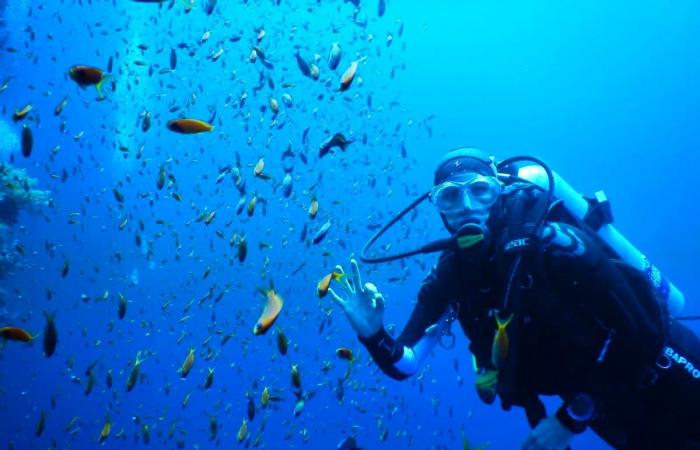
(596, 213)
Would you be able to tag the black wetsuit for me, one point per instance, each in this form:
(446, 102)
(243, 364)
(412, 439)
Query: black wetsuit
(584, 325)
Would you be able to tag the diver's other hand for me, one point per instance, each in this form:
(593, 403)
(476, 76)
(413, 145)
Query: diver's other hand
(549, 434)
(363, 304)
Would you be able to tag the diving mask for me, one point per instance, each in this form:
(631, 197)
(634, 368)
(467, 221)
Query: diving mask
(476, 193)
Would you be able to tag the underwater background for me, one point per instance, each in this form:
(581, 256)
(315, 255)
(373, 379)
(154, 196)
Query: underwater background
(108, 216)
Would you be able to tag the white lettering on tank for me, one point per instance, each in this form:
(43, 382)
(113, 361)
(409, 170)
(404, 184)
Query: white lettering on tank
(681, 361)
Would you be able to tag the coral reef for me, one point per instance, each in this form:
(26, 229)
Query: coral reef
(17, 192)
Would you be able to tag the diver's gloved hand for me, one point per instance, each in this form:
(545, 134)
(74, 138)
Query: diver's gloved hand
(363, 304)
(549, 434)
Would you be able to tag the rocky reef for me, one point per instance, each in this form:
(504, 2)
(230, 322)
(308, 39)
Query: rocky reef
(18, 191)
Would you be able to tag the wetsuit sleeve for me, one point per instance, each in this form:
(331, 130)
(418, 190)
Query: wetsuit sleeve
(400, 358)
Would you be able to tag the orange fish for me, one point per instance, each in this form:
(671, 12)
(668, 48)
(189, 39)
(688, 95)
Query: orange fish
(499, 350)
(325, 283)
(189, 126)
(22, 113)
(16, 334)
(349, 74)
(345, 353)
(88, 76)
(273, 306)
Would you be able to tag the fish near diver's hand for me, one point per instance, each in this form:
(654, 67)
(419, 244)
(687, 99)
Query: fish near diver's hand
(363, 304)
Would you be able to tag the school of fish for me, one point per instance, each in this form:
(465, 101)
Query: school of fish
(203, 156)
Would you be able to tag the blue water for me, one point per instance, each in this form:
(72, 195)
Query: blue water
(607, 94)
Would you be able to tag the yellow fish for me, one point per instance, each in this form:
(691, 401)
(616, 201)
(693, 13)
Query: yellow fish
(487, 385)
(499, 350)
(242, 431)
(135, 372)
(187, 364)
(273, 306)
(325, 283)
(265, 397)
(106, 429)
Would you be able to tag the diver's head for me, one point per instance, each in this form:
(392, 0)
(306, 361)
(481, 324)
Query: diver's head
(466, 188)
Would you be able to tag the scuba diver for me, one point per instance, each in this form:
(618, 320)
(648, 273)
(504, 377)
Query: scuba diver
(553, 300)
